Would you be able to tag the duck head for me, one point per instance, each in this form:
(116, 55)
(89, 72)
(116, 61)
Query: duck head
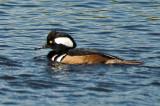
(59, 42)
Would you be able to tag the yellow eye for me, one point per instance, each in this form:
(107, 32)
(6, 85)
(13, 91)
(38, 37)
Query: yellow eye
(50, 41)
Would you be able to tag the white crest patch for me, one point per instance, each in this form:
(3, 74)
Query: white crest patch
(65, 41)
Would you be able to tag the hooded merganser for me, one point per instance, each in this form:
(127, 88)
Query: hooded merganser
(64, 50)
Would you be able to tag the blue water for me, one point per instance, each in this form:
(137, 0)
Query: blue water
(129, 29)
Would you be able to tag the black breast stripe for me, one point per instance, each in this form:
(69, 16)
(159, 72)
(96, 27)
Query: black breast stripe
(59, 58)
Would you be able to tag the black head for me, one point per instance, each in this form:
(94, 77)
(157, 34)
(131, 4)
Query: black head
(59, 42)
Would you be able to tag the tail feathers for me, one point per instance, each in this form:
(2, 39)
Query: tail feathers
(118, 61)
(131, 62)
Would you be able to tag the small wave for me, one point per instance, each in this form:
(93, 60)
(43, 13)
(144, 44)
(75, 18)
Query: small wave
(6, 77)
(8, 62)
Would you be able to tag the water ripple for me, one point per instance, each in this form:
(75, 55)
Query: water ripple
(98, 89)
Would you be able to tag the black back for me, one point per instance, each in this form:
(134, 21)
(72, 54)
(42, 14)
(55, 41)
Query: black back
(81, 51)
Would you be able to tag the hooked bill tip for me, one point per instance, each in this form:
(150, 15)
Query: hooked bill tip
(37, 48)
(41, 47)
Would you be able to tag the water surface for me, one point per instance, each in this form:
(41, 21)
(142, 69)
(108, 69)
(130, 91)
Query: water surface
(124, 28)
